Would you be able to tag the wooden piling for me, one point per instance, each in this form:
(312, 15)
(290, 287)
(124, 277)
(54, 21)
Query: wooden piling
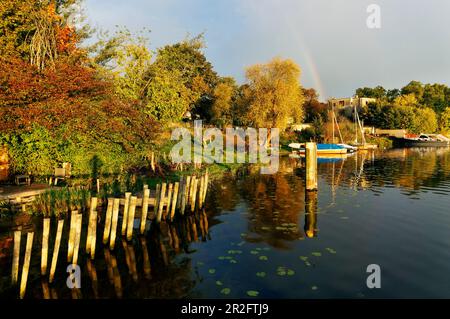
(144, 209)
(93, 234)
(98, 186)
(194, 195)
(16, 257)
(114, 222)
(206, 186)
(44, 252)
(125, 213)
(76, 245)
(157, 196)
(131, 213)
(180, 192)
(184, 194)
(192, 190)
(169, 201)
(161, 202)
(56, 250)
(311, 166)
(92, 222)
(200, 193)
(26, 265)
(108, 220)
(174, 200)
(72, 231)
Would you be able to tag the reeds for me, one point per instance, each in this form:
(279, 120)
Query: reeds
(58, 202)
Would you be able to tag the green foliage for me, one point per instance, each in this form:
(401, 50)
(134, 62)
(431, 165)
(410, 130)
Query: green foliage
(39, 151)
(166, 96)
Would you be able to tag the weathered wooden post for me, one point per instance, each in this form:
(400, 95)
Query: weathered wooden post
(92, 222)
(44, 252)
(72, 231)
(200, 194)
(144, 209)
(169, 201)
(108, 220)
(16, 257)
(194, 195)
(56, 250)
(161, 202)
(115, 218)
(98, 185)
(125, 213)
(76, 245)
(144, 213)
(311, 166)
(174, 200)
(131, 213)
(157, 195)
(93, 234)
(26, 265)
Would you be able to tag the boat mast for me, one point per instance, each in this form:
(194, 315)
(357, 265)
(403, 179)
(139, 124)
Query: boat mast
(332, 119)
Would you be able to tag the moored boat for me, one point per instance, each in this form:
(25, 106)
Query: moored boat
(423, 140)
(321, 148)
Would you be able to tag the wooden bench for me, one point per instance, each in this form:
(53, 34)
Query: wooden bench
(23, 180)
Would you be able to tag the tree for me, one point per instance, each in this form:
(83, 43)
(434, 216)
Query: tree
(166, 96)
(378, 92)
(444, 121)
(224, 95)
(406, 100)
(196, 72)
(314, 108)
(424, 121)
(273, 94)
(413, 87)
(434, 96)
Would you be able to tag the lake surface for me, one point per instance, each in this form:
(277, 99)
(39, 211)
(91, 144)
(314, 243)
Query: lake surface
(261, 235)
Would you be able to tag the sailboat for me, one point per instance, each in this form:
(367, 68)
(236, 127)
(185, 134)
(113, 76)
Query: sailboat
(358, 127)
(349, 148)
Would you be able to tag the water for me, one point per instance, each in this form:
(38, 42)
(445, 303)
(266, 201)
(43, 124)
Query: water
(263, 236)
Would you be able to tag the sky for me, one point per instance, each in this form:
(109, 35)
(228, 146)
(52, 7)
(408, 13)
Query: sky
(329, 39)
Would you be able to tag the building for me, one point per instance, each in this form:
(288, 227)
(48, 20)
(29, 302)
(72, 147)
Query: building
(343, 103)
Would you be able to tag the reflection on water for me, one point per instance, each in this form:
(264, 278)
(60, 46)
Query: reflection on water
(264, 235)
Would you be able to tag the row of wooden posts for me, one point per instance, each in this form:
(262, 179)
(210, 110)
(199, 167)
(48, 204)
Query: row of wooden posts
(189, 192)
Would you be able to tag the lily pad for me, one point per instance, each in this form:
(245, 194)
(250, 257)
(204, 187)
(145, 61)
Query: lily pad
(316, 254)
(263, 258)
(233, 261)
(199, 263)
(314, 288)
(261, 274)
(331, 250)
(304, 258)
(252, 293)
(254, 252)
(244, 235)
(212, 271)
(219, 283)
(225, 291)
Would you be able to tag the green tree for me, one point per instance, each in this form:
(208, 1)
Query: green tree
(224, 95)
(166, 96)
(424, 121)
(413, 87)
(196, 72)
